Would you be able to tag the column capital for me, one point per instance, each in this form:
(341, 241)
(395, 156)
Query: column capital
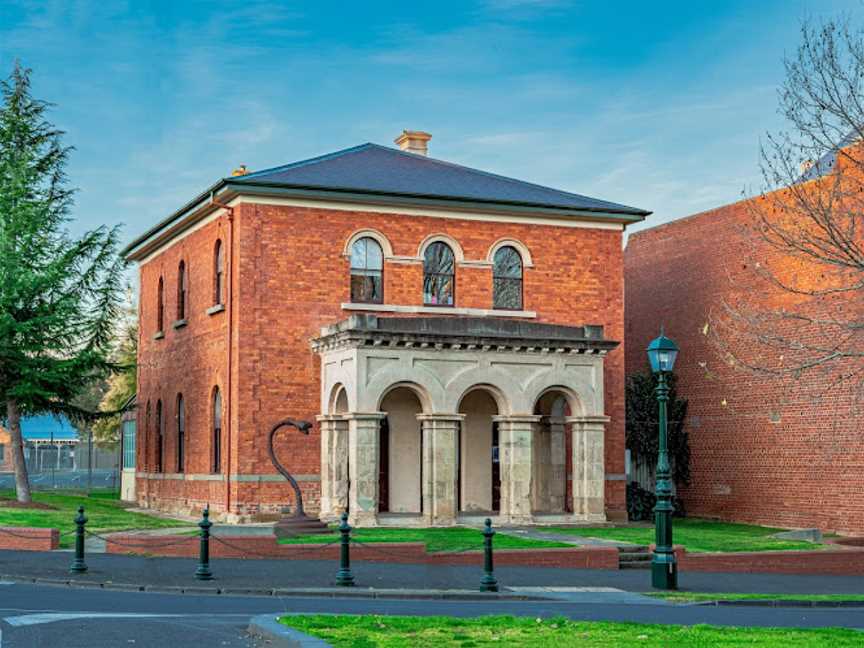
(364, 416)
(325, 418)
(517, 418)
(596, 420)
(456, 418)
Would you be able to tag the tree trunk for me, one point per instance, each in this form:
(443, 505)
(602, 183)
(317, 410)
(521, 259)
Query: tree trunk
(22, 479)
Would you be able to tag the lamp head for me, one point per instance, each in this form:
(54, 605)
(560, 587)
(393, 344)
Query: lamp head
(662, 353)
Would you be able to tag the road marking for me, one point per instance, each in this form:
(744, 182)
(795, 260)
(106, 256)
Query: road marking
(36, 619)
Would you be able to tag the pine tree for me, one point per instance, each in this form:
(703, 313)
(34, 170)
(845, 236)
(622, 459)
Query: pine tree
(59, 295)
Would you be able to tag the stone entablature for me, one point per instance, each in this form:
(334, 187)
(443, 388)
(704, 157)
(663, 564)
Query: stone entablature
(364, 358)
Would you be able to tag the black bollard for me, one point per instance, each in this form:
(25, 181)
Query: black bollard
(203, 572)
(488, 582)
(344, 577)
(78, 565)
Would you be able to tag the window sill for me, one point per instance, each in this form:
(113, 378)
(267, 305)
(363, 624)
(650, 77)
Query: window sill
(180, 323)
(216, 308)
(158, 335)
(452, 310)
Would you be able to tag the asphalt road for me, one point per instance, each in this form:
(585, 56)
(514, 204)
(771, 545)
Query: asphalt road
(32, 615)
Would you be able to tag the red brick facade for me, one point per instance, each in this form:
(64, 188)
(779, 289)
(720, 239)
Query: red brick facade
(289, 278)
(29, 538)
(763, 450)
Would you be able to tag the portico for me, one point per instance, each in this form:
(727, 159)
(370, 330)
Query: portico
(431, 421)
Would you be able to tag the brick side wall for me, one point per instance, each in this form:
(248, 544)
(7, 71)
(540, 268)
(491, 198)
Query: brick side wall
(763, 451)
(290, 279)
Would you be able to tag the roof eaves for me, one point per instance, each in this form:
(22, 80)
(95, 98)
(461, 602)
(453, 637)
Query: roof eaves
(629, 214)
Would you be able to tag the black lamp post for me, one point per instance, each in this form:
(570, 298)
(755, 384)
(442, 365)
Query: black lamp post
(299, 523)
(664, 568)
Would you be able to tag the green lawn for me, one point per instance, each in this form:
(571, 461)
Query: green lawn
(698, 535)
(443, 539)
(441, 632)
(693, 597)
(103, 514)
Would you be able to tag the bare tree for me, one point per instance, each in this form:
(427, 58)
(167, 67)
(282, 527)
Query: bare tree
(802, 312)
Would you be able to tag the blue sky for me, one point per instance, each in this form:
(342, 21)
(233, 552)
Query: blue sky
(657, 105)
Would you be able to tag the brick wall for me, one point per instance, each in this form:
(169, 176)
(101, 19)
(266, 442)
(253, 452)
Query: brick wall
(769, 451)
(29, 538)
(290, 279)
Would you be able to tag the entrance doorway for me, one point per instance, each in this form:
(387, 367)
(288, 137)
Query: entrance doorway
(400, 447)
(479, 472)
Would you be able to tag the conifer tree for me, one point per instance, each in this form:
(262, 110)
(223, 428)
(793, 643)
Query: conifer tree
(59, 294)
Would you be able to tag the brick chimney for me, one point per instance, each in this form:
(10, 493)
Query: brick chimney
(413, 142)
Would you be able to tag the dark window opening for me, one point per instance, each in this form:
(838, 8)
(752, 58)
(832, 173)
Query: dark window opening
(160, 307)
(496, 470)
(367, 272)
(160, 438)
(217, 431)
(507, 279)
(218, 273)
(439, 275)
(181, 291)
(181, 434)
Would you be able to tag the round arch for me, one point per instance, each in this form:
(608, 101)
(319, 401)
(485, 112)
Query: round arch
(506, 391)
(458, 253)
(418, 390)
(574, 402)
(374, 234)
(520, 247)
(497, 395)
(337, 402)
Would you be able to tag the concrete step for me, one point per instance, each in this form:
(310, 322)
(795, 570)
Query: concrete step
(634, 564)
(634, 557)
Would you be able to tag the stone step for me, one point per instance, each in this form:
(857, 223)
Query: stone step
(634, 564)
(634, 557)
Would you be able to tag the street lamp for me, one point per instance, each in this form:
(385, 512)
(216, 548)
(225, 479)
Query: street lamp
(299, 523)
(664, 570)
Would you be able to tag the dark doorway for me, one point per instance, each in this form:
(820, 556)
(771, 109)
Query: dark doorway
(384, 467)
(496, 470)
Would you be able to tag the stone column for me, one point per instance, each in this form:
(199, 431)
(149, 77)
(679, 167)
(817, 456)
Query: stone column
(589, 466)
(516, 444)
(334, 466)
(440, 467)
(363, 443)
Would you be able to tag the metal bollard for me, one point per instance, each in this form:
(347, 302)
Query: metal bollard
(488, 582)
(78, 565)
(203, 572)
(344, 577)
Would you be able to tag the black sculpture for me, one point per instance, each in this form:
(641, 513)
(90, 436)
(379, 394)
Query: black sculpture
(299, 523)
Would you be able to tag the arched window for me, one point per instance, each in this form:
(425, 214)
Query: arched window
(160, 306)
(507, 279)
(439, 275)
(148, 438)
(217, 431)
(181, 291)
(160, 438)
(181, 434)
(218, 272)
(367, 271)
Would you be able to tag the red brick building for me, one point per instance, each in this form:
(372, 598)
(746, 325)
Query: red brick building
(770, 451)
(455, 336)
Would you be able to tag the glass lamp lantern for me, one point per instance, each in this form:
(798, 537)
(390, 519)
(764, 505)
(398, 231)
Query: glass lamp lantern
(661, 354)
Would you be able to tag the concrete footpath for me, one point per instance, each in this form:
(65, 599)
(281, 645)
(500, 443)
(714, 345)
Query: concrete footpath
(267, 576)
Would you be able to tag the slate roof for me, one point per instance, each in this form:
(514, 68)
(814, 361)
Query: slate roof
(371, 168)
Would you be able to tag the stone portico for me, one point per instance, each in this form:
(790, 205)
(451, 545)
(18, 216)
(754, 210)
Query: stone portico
(430, 421)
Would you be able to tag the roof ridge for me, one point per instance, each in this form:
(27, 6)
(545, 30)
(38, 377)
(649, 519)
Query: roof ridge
(308, 161)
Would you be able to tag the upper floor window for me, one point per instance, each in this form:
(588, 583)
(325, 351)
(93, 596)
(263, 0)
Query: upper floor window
(218, 272)
(217, 430)
(160, 306)
(439, 275)
(367, 271)
(181, 434)
(507, 279)
(181, 291)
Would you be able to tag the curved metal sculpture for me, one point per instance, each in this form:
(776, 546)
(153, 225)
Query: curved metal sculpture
(299, 522)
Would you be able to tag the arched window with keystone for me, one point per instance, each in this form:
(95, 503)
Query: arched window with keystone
(507, 279)
(439, 275)
(367, 271)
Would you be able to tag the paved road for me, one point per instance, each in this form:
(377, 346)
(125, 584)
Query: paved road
(32, 615)
(321, 573)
